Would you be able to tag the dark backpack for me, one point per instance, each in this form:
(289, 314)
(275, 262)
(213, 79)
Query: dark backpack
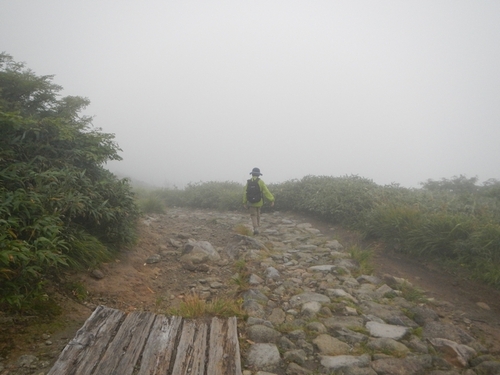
(254, 194)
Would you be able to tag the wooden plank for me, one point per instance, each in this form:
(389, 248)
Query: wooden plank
(83, 352)
(122, 354)
(159, 350)
(191, 350)
(224, 348)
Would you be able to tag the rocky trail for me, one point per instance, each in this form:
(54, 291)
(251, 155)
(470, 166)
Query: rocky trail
(311, 309)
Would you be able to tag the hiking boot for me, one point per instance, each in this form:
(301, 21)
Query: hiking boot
(255, 232)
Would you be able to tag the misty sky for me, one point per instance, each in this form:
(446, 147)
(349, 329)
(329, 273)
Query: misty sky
(394, 91)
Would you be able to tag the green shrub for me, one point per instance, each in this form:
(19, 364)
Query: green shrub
(151, 203)
(212, 195)
(58, 206)
(336, 199)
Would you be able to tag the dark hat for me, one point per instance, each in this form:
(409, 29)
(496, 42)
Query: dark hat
(256, 172)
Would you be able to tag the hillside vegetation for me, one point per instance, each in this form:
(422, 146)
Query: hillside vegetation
(452, 220)
(59, 208)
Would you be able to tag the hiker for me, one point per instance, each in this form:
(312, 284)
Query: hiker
(253, 197)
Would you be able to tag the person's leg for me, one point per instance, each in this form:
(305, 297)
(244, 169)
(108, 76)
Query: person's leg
(254, 214)
(258, 217)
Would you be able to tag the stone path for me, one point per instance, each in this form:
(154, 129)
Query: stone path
(311, 311)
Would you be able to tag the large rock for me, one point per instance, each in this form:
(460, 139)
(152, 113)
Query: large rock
(263, 356)
(434, 330)
(310, 309)
(456, 354)
(328, 345)
(253, 308)
(199, 252)
(297, 355)
(342, 361)
(262, 334)
(387, 330)
(334, 245)
(322, 268)
(389, 346)
(277, 316)
(423, 315)
(308, 297)
(390, 314)
(255, 295)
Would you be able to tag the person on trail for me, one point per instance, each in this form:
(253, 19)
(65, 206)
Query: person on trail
(253, 197)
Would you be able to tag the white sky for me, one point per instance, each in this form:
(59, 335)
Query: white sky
(394, 91)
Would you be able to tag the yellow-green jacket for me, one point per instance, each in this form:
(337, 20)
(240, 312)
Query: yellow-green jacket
(264, 190)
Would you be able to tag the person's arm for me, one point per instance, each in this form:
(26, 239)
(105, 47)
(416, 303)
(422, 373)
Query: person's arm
(245, 196)
(267, 194)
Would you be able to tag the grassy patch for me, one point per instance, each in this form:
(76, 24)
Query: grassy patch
(243, 230)
(364, 258)
(77, 290)
(410, 293)
(241, 281)
(417, 332)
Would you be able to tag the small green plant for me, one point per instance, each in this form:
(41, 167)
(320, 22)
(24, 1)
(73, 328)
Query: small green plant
(363, 348)
(159, 303)
(341, 271)
(243, 230)
(240, 265)
(241, 281)
(364, 258)
(408, 313)
(418, 332)
(410, 293)
(77, 290)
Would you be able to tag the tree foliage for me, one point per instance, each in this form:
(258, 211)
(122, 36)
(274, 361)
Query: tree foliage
(59, 206)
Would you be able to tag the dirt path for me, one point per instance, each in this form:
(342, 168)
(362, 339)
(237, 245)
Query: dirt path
(132, 283)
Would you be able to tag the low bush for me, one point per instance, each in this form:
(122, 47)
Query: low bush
(59, 207)
(342, 200)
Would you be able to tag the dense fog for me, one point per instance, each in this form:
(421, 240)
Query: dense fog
(394, 91)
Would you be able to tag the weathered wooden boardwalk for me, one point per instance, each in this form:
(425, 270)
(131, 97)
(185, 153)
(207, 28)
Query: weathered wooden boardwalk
(114, 343)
